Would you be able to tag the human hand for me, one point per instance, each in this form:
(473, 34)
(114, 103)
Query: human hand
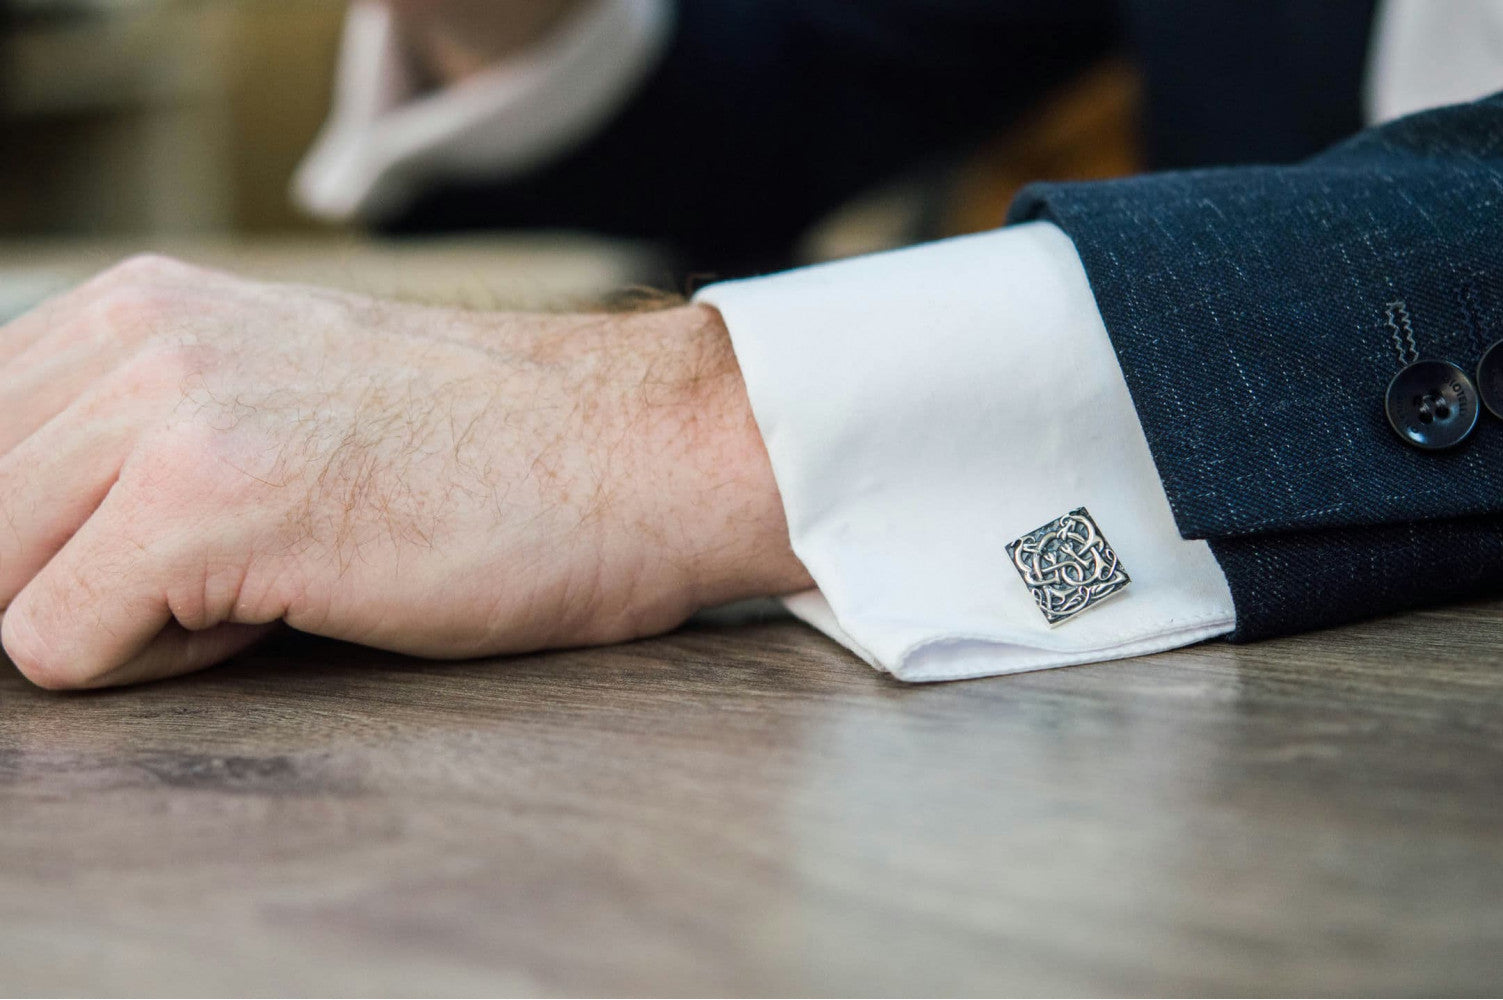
(454, 39)
(189, 458)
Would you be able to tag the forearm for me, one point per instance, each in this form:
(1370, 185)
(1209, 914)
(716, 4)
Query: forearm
(680, 462)
(712, 483)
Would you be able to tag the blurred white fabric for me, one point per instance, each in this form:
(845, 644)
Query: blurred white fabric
(1427, 53)
(382, 139)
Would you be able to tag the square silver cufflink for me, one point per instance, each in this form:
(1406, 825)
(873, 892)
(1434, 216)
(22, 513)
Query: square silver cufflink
(1068, 566)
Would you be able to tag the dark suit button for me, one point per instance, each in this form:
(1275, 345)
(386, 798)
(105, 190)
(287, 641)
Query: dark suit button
(1490, 379)
(1432, 404)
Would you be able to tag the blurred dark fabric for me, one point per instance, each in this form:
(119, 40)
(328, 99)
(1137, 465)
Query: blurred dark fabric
(767, 113)
(1228, 81)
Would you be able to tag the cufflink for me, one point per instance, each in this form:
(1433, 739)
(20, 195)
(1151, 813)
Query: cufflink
(1068, 566)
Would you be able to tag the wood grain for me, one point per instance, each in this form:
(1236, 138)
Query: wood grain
(751, 810)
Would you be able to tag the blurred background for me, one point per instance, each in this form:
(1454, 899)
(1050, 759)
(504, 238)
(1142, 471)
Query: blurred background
(178, 125)
(155, 117)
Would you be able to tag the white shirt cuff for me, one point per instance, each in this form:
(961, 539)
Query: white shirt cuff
(381, 142)
(925, 407)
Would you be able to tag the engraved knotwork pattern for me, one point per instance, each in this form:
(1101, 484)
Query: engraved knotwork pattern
(1067, 565)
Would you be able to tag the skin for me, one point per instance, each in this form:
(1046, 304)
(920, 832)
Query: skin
(452, 40)
(189, 459)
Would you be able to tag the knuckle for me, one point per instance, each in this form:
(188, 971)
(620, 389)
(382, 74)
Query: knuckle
(163, 367)
(134, 270)
(170, 355)
(181, 482)
(147, 266)
(121, 319)
(134, 309)
(134, 297)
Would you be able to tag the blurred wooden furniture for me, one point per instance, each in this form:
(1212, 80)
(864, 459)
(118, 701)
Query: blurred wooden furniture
(159, 116)
(1088, 131)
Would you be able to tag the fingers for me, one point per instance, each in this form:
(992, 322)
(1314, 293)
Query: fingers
(39, 391)
(50, 356)
(21, 333)
(176, 650)
(87, 598)
(100, 612)
(52, 483)
(59, 312)
(97, 605)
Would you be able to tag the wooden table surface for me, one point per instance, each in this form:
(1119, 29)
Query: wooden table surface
(751, 810)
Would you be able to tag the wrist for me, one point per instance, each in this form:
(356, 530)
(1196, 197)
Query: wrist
(707, 470)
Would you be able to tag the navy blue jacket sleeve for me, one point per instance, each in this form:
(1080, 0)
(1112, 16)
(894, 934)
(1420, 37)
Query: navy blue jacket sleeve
(1253, 311)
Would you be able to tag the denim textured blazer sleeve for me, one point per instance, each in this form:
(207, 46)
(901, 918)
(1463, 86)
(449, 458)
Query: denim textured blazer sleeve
(1254, 312)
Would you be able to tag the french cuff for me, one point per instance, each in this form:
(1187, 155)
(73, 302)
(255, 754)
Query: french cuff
(382, 142)
(925, 407)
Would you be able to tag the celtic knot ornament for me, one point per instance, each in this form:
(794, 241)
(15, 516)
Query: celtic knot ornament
(1068, 566)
